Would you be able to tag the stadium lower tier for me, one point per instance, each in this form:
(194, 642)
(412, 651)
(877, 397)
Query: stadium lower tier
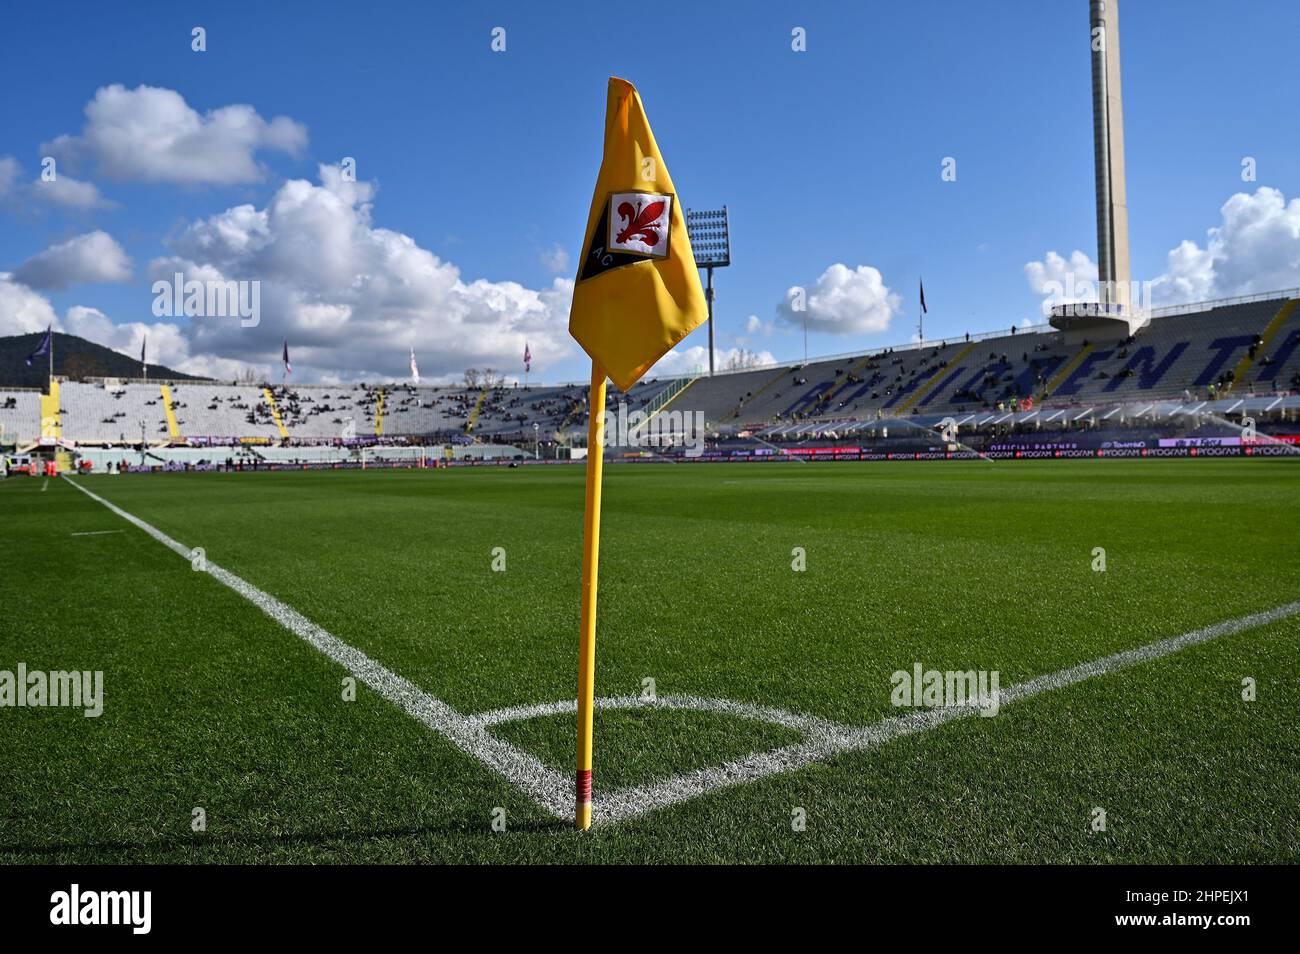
(1153, 436)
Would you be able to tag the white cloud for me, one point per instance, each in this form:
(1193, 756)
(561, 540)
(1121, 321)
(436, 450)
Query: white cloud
(63, 190)
(70, 193)
(151, 134)
(754, 327)
(555, 259)
(1256, 248)
(225, 369)
(844, 301)
(1062, 281)
(352, 299)
(1188, 275)
(22, 310)
(696, 358)
(168, 344)
(1055, 272)
(92, 257)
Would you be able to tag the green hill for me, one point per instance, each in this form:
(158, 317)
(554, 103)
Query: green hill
(74, 357)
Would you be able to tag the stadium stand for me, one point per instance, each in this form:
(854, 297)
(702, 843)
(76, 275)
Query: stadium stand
(20, 415)
(1238, 349)
(1232, 348)
(94, 412)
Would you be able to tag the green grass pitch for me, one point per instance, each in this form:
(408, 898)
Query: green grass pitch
(211, 704)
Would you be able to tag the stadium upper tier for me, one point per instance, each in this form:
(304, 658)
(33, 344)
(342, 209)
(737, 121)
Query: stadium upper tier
(1238, 348)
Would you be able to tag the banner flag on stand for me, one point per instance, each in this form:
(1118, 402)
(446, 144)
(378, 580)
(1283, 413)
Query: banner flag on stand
(43, 348)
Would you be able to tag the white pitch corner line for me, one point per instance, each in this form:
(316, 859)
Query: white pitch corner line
(553, 792)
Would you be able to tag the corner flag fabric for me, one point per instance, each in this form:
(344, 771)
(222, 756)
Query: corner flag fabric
(637, 292)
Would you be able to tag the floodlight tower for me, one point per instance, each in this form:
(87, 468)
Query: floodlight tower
(711, 245)
(1108, 156)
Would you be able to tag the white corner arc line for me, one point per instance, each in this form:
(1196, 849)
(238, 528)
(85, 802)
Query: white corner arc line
(553, 792)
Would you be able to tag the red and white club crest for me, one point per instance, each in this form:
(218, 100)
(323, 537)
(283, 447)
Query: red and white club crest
(638, 223)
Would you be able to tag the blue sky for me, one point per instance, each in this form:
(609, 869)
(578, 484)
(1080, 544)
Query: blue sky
(487, 161)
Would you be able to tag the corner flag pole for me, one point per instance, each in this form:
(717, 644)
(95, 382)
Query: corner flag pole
(641, 306)
(590, 566)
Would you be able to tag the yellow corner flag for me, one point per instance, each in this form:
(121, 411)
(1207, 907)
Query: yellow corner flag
(637, 292)
(636, 295)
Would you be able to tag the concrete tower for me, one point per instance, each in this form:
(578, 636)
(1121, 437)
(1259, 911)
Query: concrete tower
(1108, 154)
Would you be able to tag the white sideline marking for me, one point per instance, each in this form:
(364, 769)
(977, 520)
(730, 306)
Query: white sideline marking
(545, 786)
(553, 792)
(94, 533)
(45, 484)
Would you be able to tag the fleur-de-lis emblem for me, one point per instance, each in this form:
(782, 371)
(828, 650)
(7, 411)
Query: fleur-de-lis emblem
(640, 222)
